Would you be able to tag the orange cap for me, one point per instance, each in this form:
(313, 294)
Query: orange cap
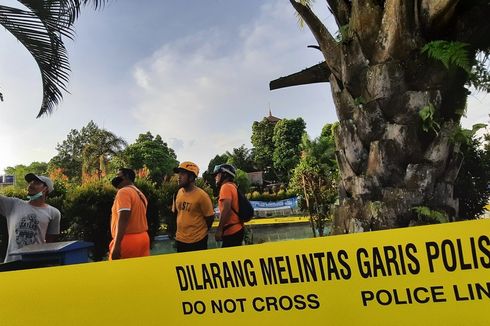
(187, 166)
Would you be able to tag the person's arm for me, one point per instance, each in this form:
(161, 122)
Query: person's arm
(122, 225)
(53, 231)
(209, 221)
(224, 217)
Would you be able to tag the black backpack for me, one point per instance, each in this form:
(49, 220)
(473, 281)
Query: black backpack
(245, 209)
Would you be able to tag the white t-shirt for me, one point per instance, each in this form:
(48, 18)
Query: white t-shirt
(27, 224)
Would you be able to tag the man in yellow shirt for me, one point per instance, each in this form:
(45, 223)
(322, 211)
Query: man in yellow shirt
(195, 213)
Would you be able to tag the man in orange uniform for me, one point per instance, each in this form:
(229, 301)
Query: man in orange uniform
(230, 229)
(128, 224)
(195, 213)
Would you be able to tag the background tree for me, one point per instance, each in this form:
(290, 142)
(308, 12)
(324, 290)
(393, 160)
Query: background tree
(241, 158)
(242, 181)
(41, 29)
(263, 145)
(473, 183)
(86, 151)
(287, 139)
(399, 74)
(314, 179)
(19, 171)
(97, 153)
(152, 152)
(207, 175)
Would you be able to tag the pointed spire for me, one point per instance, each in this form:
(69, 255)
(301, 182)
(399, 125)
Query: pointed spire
(271, 118)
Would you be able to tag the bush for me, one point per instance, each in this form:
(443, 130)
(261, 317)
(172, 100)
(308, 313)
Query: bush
(155, 206)
(167, 191)
(87, 215)
(242, 181)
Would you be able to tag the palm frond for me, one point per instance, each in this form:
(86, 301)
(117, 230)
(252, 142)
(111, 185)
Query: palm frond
(301, 22)
(60, 14)
(46, 46)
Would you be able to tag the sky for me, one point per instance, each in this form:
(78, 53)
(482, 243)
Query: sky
(195, 72)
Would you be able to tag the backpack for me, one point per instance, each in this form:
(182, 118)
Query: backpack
(245, 208)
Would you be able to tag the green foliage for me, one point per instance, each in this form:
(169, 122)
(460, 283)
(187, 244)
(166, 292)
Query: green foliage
(40, 27)
(87, 215)
(153, 153)
(343, 34)
(280, 195)
(315, 177)
(20, 170)
(86, 151)
(168, 190)
(154, 208)
(360, 101)
(263, 145)
(242, 181)
(241, 158)
(201, 183)
(465, 136)
(12, 191)
(428, 120)
(425, 215)
(287, 139)
(449, 53)
(472, 184)
(480, 74)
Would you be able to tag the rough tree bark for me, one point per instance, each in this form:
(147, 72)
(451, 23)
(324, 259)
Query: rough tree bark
(380, 81)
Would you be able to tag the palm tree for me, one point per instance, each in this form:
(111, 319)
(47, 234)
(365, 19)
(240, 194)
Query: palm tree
(399, 73)
(98, 152)
(41, 29)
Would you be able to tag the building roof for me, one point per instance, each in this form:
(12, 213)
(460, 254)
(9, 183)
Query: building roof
(272, 118)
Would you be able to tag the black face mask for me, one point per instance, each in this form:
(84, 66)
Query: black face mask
(117, 181)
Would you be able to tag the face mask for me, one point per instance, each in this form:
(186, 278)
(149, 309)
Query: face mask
(36, 196)
(116, 181)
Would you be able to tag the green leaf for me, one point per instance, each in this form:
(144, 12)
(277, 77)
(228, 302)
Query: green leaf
(449, 53)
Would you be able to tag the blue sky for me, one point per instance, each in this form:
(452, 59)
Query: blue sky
(196, 72)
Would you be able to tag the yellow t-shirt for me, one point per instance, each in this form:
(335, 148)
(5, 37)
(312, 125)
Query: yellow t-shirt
(192, 209)
(127, 199)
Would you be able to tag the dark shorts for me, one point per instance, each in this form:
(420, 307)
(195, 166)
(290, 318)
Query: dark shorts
(200, 245)
(233, 240)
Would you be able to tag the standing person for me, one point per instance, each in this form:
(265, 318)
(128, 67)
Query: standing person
(195, 213)
(128, 223)
(230, 229)
(32, 221)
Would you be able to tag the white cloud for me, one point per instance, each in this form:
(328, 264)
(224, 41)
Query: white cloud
(208, 88)
(200, 92)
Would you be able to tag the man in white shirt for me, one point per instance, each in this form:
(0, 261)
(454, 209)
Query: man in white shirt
(31, 221)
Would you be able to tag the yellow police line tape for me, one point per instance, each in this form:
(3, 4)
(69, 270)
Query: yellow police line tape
(429, 275)
(274, 220)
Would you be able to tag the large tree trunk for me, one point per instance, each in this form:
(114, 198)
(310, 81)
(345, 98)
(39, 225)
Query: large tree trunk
(380, 81)
(388, 163)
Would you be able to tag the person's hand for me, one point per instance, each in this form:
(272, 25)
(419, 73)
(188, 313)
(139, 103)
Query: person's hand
(116, 253)
(218, 236)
